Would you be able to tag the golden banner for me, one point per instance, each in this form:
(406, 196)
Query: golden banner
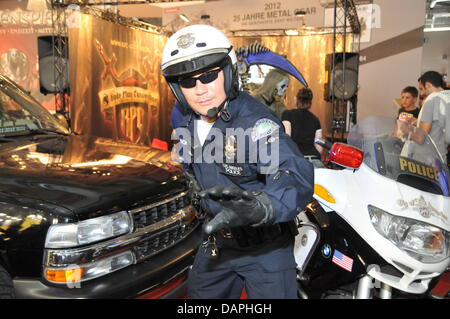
(117, 87)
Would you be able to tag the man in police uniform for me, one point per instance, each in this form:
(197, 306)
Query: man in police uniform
(253, 178)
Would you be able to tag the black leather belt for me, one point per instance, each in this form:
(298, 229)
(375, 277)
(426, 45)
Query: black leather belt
(248, 236)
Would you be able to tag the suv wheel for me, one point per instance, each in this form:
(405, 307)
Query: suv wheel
(6, 285)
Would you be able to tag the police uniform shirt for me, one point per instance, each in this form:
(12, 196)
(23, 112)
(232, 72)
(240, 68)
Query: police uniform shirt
(289, 185)
(176, 116)
(304, 125)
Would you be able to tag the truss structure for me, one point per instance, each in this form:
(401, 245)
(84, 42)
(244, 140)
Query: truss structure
(110, 2)
(60, 54)
(345, 23)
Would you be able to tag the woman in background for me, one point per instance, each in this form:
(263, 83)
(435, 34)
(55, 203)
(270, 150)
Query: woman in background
(303, 126)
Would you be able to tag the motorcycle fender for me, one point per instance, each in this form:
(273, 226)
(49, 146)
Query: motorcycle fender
(336, 184)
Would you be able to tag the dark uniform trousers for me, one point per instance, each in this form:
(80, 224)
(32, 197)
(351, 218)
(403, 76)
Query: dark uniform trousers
(269, 270)
(265, 268)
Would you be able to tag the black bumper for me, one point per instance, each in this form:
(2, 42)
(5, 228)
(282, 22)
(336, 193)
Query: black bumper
(129, 282)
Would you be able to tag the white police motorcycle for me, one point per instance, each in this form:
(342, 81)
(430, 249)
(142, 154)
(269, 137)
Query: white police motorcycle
(379, 224)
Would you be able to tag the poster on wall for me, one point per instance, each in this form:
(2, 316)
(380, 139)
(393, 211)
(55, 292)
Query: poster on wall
(20, 27)
(117, 87)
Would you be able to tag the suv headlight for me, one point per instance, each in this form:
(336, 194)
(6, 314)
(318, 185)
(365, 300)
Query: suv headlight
(424, 242)
(74, 273)
(88, 231)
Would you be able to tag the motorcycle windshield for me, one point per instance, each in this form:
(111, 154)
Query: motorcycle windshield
(402, 152)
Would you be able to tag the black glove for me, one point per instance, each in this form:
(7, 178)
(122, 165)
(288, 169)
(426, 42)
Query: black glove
(240, 208)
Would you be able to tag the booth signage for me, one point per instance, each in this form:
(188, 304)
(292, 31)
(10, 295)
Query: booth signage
(235, 15)
(117, 82)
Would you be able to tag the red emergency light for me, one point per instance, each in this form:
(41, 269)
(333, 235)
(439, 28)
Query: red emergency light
(346, 155)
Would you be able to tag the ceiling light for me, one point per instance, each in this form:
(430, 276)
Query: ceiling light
(436, 29)
(291, 32)
(433, 3)
(184, 18)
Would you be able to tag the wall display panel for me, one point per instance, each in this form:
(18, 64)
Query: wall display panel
(117, 87)
(20, 28)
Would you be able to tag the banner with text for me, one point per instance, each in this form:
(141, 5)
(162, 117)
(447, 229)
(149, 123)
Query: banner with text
(248, 15)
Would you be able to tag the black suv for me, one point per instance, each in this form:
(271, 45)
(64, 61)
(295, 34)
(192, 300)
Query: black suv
(87, 217)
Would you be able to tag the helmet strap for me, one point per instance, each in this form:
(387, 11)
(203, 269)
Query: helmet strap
(225, 115)
(214, 111)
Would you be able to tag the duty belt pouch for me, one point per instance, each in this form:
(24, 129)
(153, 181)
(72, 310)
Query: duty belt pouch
(253, 235)
(247, 236)
(271, 232)
(240, 236)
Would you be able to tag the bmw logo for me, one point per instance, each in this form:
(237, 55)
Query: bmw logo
(326, 251)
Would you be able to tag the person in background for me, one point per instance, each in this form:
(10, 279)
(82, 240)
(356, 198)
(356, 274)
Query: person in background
(434, 116)
(273, 90)
(409, 111)
(303, 126)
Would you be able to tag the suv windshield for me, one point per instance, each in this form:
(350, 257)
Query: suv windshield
(21, 113)
(402, 152)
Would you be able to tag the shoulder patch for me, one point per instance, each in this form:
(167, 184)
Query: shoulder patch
(263, 128)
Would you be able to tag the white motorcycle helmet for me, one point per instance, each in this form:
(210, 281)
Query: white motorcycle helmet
(196, 48)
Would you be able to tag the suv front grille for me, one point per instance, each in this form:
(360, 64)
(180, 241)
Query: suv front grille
(163, 241)
(150, 214)
(163, 223)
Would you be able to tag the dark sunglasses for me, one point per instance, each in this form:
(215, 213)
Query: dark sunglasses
(205, 78)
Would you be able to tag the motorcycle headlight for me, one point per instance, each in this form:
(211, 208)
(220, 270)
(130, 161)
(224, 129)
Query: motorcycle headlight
(424, 242)
(88, 231)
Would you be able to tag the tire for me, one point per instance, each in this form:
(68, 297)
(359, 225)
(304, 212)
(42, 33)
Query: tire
(6, 285)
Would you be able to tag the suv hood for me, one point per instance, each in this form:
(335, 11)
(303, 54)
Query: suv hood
(85, 174)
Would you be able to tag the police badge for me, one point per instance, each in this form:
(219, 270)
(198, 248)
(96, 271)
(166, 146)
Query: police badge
(185, 41)
(230, 147)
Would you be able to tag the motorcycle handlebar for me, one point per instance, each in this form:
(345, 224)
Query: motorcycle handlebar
(324, 143)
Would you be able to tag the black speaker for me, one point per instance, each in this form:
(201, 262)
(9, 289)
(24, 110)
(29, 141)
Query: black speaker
(344, 84)
(48, 63)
